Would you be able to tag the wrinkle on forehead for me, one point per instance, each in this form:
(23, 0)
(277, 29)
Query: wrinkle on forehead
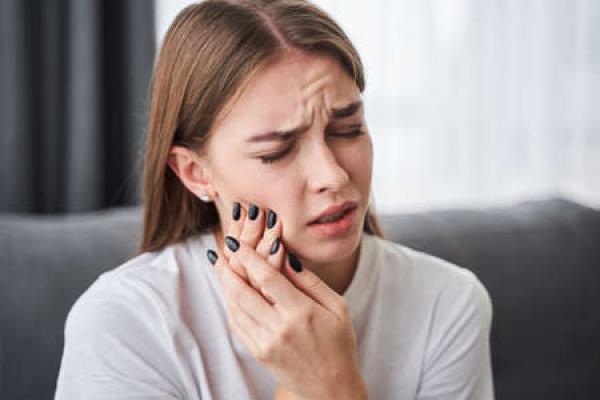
(290, 92)
(318, 86)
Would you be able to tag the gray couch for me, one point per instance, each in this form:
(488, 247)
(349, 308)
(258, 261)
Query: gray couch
(539, 261)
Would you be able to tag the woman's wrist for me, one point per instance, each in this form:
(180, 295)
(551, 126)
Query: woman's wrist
(353, 388)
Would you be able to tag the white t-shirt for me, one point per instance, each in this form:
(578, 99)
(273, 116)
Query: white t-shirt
(156, 328)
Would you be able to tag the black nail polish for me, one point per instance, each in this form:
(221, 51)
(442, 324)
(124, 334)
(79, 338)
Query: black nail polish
(233, 244)
(271, 219)
(236, 211)
(275, 246)
(295, 263)
(252, 212)
(212, 256)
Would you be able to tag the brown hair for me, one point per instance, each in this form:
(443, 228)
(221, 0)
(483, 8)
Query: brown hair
(209, 52)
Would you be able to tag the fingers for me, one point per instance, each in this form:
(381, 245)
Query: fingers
(250, 332)
(240, 332)
(248, 230)
(236, 222)
(259, 228)
(238, 291)
(234, 229)
(246, 225)
(276, 255)
(314, 287)
(253, 226)
(269, 280)
(271, 240)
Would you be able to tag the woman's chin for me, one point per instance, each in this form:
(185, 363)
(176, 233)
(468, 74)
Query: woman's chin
(321, 251)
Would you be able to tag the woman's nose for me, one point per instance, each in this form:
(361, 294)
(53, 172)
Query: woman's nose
(323, 171)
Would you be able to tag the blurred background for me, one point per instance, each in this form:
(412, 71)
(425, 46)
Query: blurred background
(470, 103)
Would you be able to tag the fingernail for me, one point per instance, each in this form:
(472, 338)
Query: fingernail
(271, 219)
(233, 244)
(252, 212)
(295, 263)
(212, 256)
(275, 246)
(236, 211)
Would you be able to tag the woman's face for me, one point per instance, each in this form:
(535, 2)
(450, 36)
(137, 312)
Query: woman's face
(326, 162)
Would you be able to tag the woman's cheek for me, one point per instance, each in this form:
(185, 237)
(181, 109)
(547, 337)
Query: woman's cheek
(355, 158)
(275, 189)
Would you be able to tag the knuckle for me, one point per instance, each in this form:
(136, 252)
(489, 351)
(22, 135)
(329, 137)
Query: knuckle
(264, 353)
(303, 317)
(284, 335)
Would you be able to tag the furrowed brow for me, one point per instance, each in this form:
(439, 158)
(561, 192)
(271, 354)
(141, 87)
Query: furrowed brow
(283, 136)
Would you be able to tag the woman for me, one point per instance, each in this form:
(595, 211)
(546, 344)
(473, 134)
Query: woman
(263, 272)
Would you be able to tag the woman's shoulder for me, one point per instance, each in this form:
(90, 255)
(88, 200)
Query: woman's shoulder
(148, 266)
(446, 296)
(124, 324)
(428, 274)
(147, 283)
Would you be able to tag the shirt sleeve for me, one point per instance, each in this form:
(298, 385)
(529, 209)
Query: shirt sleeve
(457, 362)
(116, 348)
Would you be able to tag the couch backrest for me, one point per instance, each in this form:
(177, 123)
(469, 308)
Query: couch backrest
(46, 263)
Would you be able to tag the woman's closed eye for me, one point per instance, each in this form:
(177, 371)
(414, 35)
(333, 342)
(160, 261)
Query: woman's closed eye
(275, 157)
(350, 134)
(271, 158)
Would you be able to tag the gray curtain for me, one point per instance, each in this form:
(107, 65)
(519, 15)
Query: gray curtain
(74, 78)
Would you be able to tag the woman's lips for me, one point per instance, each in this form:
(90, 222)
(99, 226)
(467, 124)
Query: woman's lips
(336, 228)
(334, 210)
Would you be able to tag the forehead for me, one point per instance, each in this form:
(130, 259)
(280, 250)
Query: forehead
(288, 91)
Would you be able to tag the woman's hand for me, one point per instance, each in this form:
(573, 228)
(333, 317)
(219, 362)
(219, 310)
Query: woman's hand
(292, 322)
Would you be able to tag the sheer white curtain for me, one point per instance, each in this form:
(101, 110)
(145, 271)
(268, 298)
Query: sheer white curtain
(475, 102)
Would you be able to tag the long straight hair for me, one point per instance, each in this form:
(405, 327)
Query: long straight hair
(209, 52)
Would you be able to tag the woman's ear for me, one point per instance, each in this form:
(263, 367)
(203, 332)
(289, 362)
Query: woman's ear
(191, 170)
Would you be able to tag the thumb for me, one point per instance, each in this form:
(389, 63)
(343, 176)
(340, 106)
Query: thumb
(313, 286)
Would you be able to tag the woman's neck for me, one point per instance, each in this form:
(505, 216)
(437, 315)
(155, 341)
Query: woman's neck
(339, 274)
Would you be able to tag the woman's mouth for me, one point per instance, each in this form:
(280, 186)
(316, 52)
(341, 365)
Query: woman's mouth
(335, 225)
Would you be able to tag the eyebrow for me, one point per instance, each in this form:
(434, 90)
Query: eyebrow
(282, 136)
